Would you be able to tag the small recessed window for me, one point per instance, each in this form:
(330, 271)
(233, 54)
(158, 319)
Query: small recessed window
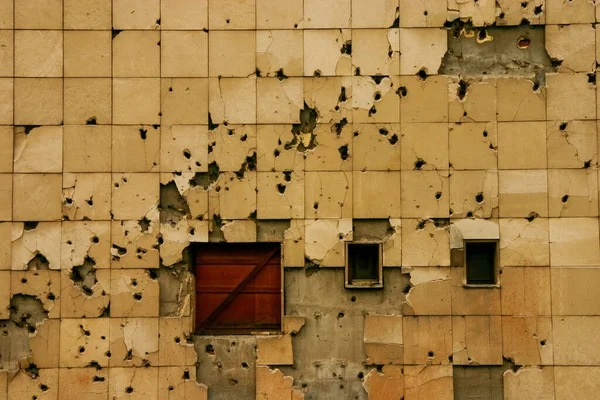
(363, 265)
(480, 262)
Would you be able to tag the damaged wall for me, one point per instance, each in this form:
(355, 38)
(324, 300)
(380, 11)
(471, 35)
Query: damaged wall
(131, 130)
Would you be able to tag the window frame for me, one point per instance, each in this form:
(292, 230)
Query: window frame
(496, 265)
(361, 283)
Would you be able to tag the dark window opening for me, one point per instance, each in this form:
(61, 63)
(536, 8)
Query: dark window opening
(238, 288)
(480, 258)
(363, 265)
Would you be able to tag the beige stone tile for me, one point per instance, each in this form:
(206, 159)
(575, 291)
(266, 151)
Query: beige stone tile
(425, 243)
(277, 149)
(280, 52)
(521, 145)
(572, 12)
(573, 193)
(375, 14)
(38, 14)
(84, 294)
(279, 102)
(428, 382)
(134, 245)
(38, 101)
(477, 340)
(274, 350)
(424, 100)
(184, 148)
(6, 102)
(36, 246)
(473, 146)
(520, 100)
(6, 148)
(5, 245)
(144, 188)
(527, 340)
(481, 13)
(422, 49)
(427, 340)
(5, 295)
(232, 14)
(576, 340)
(235, 198)
(87, 53)
(376, 194)
(523, 193)
(280, 195)
(392, 244)
(184, 54)
(472, 100)
(231, 53)
(430, 292)
(573, 291)
(327, 14)
(136, 54)
(474, 193)
(136, 14)
(7, 53)
(525, 291)
(134, 293)
(325, 241)
(25, 386)
(380, 139)
(6, 197)
(89, 383)
(133, 383)
(87, 100)
(136, 148)
(87, 148)
(44, 285)
(513, 12)
(472, 301)
(425, 194)
(572, 144)
(328, 150)
(233, 148)
(417, 151)
(232, 100)
(83, 341)
(6, 19)
(136, 101)
(574, 242)
(133, 342)
(271, 384)
(576, 382)
(574, 46)
(179, 383)
(570, 96)
(387, 384)
(293, 244)
(429, 13)
(184, 101)
(85, 241)
(529, 382)
(184, 14)
(524, 242)
(44, 344)
(38, 53)
(86, 196)
(376, 52)
(37, 197)
(274, 14)
(376, 99)
(383, 338)
(331, 98)
(38, 149)
(175, 345)
(87, 14)
(328, 195)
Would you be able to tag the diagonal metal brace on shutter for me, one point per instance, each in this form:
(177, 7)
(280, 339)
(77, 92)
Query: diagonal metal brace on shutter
(213, 316)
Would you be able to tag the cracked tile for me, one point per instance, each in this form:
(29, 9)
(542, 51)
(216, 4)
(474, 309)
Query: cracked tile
(280, 195)
(523, 193)
(424, 100)
(84, 342)
(376, 194)
(425, 243)
(380, 139)
(133, 383)
(472, 100)
(75, 383)
(570, 96)
(279, 101)
(422, 49)
(530, 104)
(134, 293)
(233, 198)
(179, 383)
(529, 381)
(474, 193)
(280, 52)
(521, 145)
(477, 340)
(524, 242)
(376, 99)
(38, 149)
(383, 339)
(387, 384)
(277, 148)
(417, 152)
(425, 194)
(86, 196)
(467, 140)
(428, 382)
(143, 188)
(429, 292)
(232, 100)
(376, 51)
(328, 195)
(175, 346)
(572, 144)
(427, 340)
(233, 148)
(325, 241)
(134, 244)
(133, 342)
(184, 101)
(573, 193)
(184, 148)
(87, 148)
(36, 246)
(135, 148)
(293, 244)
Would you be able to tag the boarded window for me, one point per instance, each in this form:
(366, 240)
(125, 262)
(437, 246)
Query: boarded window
(363, 265)
(480, 259)
(238, 288)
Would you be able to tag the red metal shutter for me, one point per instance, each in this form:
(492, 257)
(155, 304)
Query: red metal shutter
(220, 269)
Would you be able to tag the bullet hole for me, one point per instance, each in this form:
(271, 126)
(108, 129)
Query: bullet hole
(82, 349)
(425, 13)
(158, 21)
(393, 139)
(502, 15)
(38, 263)
(360, 375)
(542, 342)
(347, 48)
(479, 197)
(295, 25)
(377, 96)
(450, 358)
(245, 365)
(70, 200)
(227, 20)
(565, 198)
(129, 389)
(280, 75)
(592, 78)
(587, 164)
(51, 296)
(563, 126)
(396, 23)
(523, 42)
(316, 206)
(287, 176)
(281, 188)
(97, 378)
(90, 201)
(120, 250)
(94, 364)
(482, 35)
(43, 388)
(137, 296)
(342, 97)
(339, 126)
(344, 152)
(186, 374)
(463, 86)
(276, 153)
(258, 72)
(421, 224)
(232, 382)
(420, 163)
(356, 134)
(91, 121)
(431, 354)
(532, 216)
(422, 74)
(524, 4)
(470, 214)
(537, 10)
(402, 92)
(485, 134)
(170, 89)
(210, 349)
(211, 125)
(438, 195)
(372, 111)
(187, 154)
(340, 315)
(115, 32)
(524, 22)
(357, 71)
